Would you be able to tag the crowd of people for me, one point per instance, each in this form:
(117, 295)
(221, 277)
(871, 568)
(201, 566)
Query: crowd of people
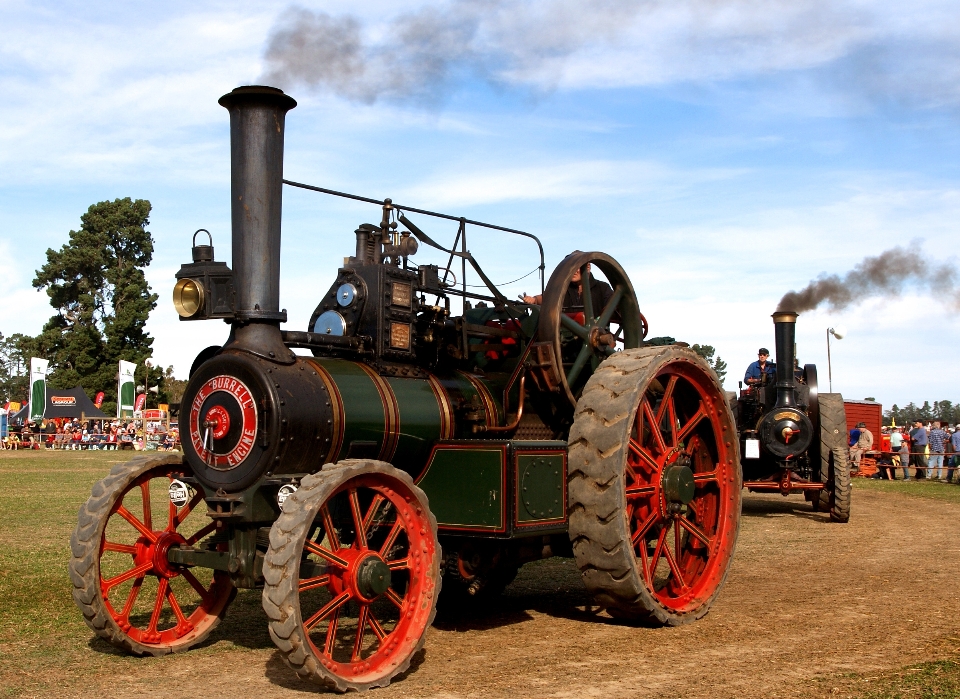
(72, 434)
(923, 452)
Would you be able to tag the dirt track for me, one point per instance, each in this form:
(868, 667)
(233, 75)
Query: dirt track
(805, 599)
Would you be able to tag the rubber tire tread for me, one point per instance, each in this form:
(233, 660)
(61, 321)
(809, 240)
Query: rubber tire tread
(85, 548)
(280, 593)
(598, 528)
(835, 498)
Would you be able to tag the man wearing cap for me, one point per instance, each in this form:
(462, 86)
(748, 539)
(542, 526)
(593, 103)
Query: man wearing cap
(759, 370)
(863, 444)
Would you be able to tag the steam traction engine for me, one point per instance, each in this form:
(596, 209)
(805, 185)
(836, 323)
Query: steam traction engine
(793, 438)
(331, 477)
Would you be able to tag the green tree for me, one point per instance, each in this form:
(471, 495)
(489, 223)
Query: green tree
(15, 353)
(707, 352)
(97, 285)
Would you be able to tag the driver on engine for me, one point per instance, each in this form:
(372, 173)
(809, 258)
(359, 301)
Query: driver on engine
(600, 293)
(760, 371)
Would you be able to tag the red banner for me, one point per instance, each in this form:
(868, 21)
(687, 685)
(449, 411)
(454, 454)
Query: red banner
(141, 401)
(98, 401)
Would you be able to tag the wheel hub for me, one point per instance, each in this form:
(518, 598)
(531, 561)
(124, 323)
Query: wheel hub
(678, 484)
(373, 577)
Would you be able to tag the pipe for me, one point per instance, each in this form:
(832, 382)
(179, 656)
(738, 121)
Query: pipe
(785, 335)
(257, 115)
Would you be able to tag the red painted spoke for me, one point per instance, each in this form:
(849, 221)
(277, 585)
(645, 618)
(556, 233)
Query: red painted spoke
(310, 583)
(672, 418)
(185, 511)
(182, 624)
(330, 641)
(327, 609)
(158, 605)
(674, 568)
(391, 539)
(375, 625)
(692, 445)
(692, 422)
(195, 584)
(638, 490)
(394, 597)
(201, 533)
(399, 564)
(361, 541)
(137, 524)
(643, 529)
(372, 511)
(637, 449)
(316, 548)
(124, 614)
(695, 531)
(657, 551)
(667, 397)
(147, 505)
(329, 528)
(361, 628)
(654, 426)
(119, 548)
(137, 572)
(705, 477)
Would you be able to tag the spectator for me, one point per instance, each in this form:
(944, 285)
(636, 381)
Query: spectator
(896, 441)
(905, 456)
(918, 440)
(936, 439)
(955, 448)
(863, 444)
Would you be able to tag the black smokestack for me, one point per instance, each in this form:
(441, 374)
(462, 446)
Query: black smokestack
(785, 337)
(884, 275)
(257, 116)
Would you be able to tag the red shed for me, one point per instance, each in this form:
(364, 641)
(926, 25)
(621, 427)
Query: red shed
(867, 411)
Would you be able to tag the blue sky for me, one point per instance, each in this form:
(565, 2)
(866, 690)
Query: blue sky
(723, 152)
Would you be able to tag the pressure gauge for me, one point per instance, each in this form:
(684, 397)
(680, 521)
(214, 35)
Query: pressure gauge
(330, 323)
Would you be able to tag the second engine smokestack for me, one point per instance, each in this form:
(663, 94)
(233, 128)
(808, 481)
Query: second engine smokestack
(785, 337)
(257, 115)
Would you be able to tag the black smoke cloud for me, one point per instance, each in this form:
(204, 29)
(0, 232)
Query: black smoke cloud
(870, 52)
(887, 274)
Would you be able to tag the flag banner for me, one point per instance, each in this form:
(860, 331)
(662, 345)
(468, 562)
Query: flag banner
(126, 389)
(38, 387)
(141, 401)
(98, 401)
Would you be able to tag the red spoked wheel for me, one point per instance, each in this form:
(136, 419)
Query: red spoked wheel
(655, 423)
(128, 591)
(352, 575)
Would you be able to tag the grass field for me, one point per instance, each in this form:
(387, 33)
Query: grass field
(44, 643)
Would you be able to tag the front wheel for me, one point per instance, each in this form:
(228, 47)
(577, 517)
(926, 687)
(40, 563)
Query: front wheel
(127, 590)
(654, 485)
(352, 575)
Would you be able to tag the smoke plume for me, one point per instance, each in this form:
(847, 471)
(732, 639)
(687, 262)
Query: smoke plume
(874, 50)
(887, 274)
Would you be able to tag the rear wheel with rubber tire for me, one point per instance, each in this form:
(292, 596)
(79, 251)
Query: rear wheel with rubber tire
(654, 485)
(834, 469)
(352, 575)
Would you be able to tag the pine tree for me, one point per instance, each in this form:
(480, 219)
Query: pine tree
(97, 285)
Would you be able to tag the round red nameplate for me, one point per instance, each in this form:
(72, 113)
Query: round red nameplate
(215, 442)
